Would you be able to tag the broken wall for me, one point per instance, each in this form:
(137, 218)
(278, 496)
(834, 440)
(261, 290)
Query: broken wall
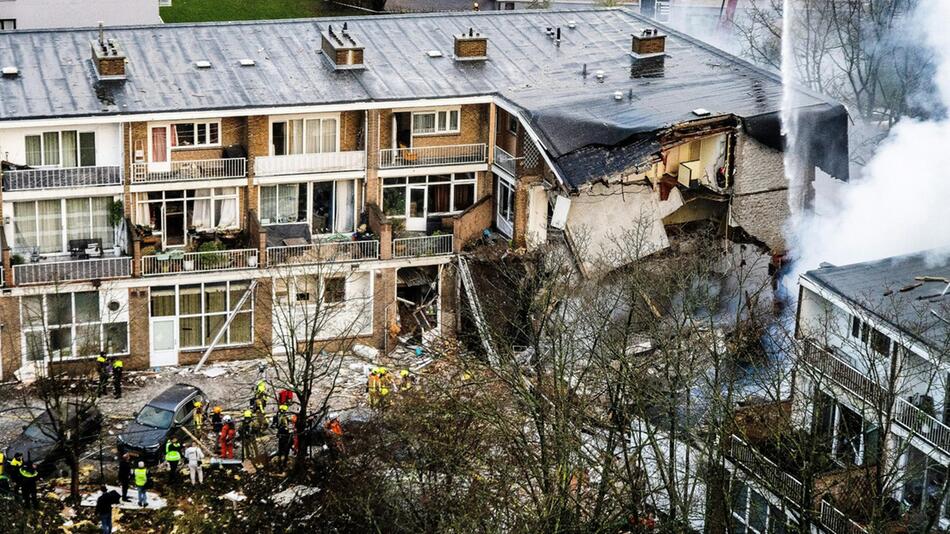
(760, 192)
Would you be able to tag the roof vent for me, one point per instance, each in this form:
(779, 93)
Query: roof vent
(649, 43)
(108, 57)
(471, 47)
(203, 64)
(618, 95)
(10, 72)
(246, 62)
(599, 75)
(702, 112)
(342, 49)
(434, 53)
(572, 24)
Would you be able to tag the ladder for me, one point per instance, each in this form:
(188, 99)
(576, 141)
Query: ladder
(466, 277)
(227, 323)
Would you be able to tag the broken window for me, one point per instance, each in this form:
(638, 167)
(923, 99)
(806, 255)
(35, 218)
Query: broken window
(334, 290)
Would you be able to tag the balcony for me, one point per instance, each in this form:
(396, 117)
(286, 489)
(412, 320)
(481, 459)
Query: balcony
(179, 171)
(430, 245)
(46, 272)
(506, 161)
(765, 470)
(175, 262)
(918, 422)
(836, 522)
(354, 160)
(327, 252)
(32, 179)
(396, 158)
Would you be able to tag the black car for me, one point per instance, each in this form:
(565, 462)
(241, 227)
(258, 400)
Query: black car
(160, 419)
(39, 444)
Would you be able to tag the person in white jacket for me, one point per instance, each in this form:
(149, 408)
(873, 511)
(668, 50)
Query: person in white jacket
(194, 456)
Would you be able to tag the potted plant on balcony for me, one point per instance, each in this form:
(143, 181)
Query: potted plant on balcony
(117, 219)
(209, 255)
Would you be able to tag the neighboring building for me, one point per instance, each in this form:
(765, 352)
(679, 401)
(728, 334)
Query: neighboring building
(298, 144)
(36, 14)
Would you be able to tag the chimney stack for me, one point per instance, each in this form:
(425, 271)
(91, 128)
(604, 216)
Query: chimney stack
(471, 47)
(108, 57)
(648, 43)
(342, 49)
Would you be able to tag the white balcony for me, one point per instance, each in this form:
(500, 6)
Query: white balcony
(506, 161)
(49, 272)
(328, 252)
(61, 178)
(430, 245)
(179, 171)
(434, 156)
(354, 160)
(186, 262)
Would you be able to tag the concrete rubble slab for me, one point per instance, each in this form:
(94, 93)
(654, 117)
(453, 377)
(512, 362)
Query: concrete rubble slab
(154, 501)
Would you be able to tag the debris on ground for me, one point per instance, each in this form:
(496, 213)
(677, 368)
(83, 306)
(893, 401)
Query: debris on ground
(153, 499)
(291, 494)
(234, 496)
(213, 372)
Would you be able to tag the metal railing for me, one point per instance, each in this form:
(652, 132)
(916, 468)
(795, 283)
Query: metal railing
(328, 252)
(760, 467)
(354, 160)
(202, 169)
(29, 179)
(835, 521)
(391, 158)
(220, 260)
(430, 245)
(70, 271)
(921, 424)
(506, 161)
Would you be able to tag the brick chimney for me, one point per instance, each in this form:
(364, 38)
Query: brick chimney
(471, 47)
(342, 49)
(108, 58)
(649, 42)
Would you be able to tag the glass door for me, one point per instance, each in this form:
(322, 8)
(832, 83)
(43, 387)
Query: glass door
(416, 215)
(174, 227)
(160, 150)
(504, 212)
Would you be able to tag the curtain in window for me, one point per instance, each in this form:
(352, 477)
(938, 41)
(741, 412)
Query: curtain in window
(78, 225)
(34, 150)
(201, 215)
(439, 198)
(423, 123)
(189, 300)
(70, 145)
(344, 206)
(329, 135)
(87, 149)
(226, 210)
(101, 226)
(189, 331)
(159, 146)
(50, 148)
(24, 226)
(313, 136)
(296, 136)
(163, 301)
(269, 203)
(464, 196)
(49, 225)
(287, 203)
(174, 135)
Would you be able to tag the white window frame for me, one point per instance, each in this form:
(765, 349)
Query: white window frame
(287, 118)
(309, 203)
(44, 328)
(194, 124)
(453, 181)
(442, 121)
(293, 285)
(203, 315)
(64, 224)
(185, 198)
(59, 137)
(769, 509)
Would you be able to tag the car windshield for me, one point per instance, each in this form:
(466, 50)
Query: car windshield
(155, 417)
(40, 431)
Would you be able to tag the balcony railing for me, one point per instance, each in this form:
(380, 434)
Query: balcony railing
(506, 161)
(30, 179)
(770, 474)
(329, 252)
(71, 271)
(836, 522)
(176, 171)
(923, 425)
(301, 163)
(223, 260)
(431, 245)
(393, 158)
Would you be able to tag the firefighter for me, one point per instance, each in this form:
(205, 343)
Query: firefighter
(248, 437)
(373, 386)
(406, 380)
(117, 378)
(281, 417)
(226, 438)
(102, 366)
(199, 414)
(216, 420)
(385, 385)
(283, 444)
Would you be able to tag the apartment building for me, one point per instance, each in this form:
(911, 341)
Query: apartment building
(160, 182)
(34, 14)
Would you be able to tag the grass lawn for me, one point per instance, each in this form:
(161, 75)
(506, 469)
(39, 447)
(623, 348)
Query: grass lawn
(212, 10)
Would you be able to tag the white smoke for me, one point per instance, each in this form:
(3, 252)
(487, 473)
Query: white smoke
(900, 202)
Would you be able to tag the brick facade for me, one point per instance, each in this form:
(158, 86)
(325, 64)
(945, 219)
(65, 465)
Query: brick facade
(10, 331)
(384, 307)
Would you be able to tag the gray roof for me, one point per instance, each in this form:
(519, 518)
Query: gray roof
(889, 289)
(569, 110)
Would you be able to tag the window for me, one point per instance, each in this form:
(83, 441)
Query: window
(7, 24)
(205, 209)
(43, 224)
(304, 136)
(66, 325)
(506, 200)
(878, 341)
(69, 148)
(334, 290)
(195, 134)
(435, 122)
(446, 193)
(752, 513)
(512, 124)
(203, 310)
(925, 479)
(848, 437)
(329, 206)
